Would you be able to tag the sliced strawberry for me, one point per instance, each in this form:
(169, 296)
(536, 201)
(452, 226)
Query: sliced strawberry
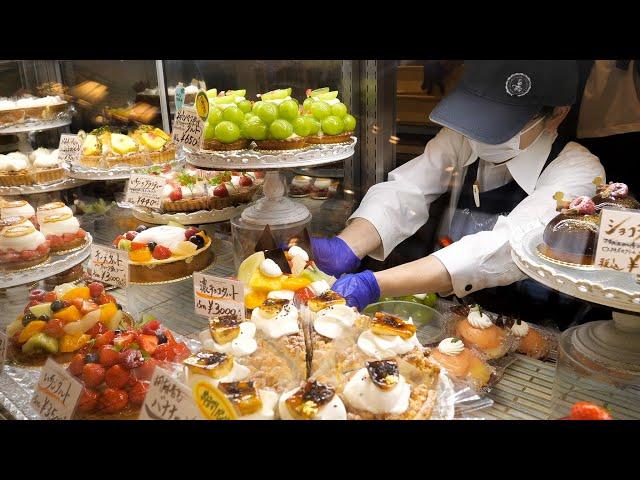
(77, 302)
(151, 327)
(55, 240)
(175, 195)
(161, 253)
(98, 329)
(144, 371)
(43, 249)
(148, 343)
(81, 233)
(164, 352)
(68, 237)
(108, 357)
(88, 306)
(124, 339)
(180, 352)
(28, 254)
(105, 339)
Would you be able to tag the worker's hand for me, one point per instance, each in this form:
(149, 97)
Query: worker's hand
(334, 256)
(359, 289)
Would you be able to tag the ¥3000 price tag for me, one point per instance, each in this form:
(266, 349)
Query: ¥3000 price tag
(188, 129)
(168, 399)
(217, 296)
(619, 241)
(57, 393)
(110, 265)
(145, 190)
(69, 148)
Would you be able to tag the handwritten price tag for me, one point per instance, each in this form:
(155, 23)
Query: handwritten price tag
(619, 241)
(217, 296)
(188, 128)
(145, 190)
(57, 393)
(69, 148)
(110, 265)
(4, 344)
(168, 399)
(179, 96)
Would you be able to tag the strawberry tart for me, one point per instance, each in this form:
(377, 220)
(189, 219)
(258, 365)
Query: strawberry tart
(63, 232)
(165, 253)
(22, 247)
(17, 208)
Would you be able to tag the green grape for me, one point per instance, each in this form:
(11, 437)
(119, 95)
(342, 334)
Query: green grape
(280, 129)
(256, 106)
(332, 125)
(215, 115)
(227, 132)
(312, 124)
(320, 110)
(301, 127)
(430, 300)
(349, 123)
(306, 105)
(209, 131)
(339, 110)
(244, 106)
(288, 110)
(212, 93)
(233, 114)
(250, 115)
(267, 112)
(256, 129)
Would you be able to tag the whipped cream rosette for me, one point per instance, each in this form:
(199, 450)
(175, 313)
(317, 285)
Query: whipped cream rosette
(463, 364)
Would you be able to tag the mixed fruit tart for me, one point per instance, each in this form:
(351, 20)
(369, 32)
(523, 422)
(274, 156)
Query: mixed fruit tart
(330, 118)
(164, 253)
(225, 126)
(143, 146)
(62, 321)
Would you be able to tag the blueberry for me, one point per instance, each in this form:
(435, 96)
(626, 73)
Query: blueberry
(28, 317)
(140, 228)
(44, 317)
(162, 338)
(151, 246)
(197, 240)
(91, 358)
(57, 305)
(119, 306)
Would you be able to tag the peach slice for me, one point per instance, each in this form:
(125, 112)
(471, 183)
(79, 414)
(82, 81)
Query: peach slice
(485, 339)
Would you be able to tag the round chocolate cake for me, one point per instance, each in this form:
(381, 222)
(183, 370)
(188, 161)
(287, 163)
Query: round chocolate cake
(571, 238)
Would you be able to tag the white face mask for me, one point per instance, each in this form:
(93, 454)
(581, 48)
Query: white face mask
(503, 151)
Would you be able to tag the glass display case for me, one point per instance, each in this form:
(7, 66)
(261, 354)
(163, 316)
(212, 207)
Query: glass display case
(245, 192)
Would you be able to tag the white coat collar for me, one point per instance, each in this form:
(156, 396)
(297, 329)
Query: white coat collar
(527, 167)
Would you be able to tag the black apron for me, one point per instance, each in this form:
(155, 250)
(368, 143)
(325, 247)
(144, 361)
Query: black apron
(526, 299)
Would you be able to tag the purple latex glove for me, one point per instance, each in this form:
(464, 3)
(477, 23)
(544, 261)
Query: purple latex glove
(359, 289)
(333, 256)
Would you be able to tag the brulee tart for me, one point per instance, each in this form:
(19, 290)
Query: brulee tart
(21, 247)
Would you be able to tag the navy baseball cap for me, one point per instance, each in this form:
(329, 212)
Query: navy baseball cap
(496, 98)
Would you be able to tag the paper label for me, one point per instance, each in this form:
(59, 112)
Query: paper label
(168, 399)
(213, 404)
(217, 296)
(57, 393)
(145, 190)
(4, 345)
(110, 265)
(188, 129)
(179, 97)
(69, 148)
(619, 241)
(202, 105)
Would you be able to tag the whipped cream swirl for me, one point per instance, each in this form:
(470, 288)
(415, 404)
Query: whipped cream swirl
(283, 323)
(243, 344)
(451, 346)
(335, 321)
(520, 329)
(479, 319)
(361, 393)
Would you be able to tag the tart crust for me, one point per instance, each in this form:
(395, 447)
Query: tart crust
(324, 139)
(25, 264)
(163, 271)
(287, 144)
(20, 115)
(14, 179)
(48, 175)
(241, 144)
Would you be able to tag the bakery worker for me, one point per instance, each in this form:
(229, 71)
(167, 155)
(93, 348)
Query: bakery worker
(500, 156)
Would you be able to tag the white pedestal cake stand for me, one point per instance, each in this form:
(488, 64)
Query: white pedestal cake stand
(607, 349)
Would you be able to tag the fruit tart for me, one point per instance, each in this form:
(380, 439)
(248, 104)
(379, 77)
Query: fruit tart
(330, 118)
(224, 129)
(116, 366)
(46, 166)
(380, 391)
(15, 170)
(18, 208)
(312, 400)
(478, 331)
(165, 253)
(62, 321)
(185, 192)
(63, 232)
(460, 362)
(275, 122)
(227, 190)
(572, 235)
(250, 402)
(22, 247)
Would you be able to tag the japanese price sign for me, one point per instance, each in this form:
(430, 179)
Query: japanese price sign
(168, 399)
(57, 393)
(110, 265)
(69, 148)
(619, 241)
(217, 296)
(188, 128)
(145, 190)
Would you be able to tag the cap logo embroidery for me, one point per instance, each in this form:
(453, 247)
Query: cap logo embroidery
(518, 85)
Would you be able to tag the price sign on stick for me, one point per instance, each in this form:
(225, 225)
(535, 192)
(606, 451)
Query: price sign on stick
(619, 241)
(179, 95)
(145, 190)
(217, 295)
(4, 344)
(168, 399)
(110, 265)
(57, 393)
(69, 148)
(188, 128)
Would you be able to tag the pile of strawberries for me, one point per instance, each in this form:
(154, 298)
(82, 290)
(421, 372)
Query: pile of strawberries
(116, 367)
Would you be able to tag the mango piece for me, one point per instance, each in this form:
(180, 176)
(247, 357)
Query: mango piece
(107, 311)
(77, 292)
(36, 326)
(254, 299)
(71, 343)
(265, 284)
(141, 255)
(69, 314)
(479, 371)
(291, 282)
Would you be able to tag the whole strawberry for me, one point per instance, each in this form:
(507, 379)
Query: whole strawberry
(588, 411)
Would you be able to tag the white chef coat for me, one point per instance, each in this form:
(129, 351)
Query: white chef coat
(399, 207)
